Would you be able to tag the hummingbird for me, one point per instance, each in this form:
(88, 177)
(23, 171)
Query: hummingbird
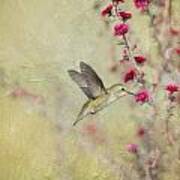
(93, 87)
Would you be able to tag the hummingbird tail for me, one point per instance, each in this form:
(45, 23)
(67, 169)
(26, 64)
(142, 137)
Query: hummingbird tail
(79, 118)
(75, 122)
(82, 113)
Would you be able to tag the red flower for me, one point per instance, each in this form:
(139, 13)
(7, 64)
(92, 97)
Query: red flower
(141, 131)
(132, 148)
(177, 50)
(139, 59)
(142, 96)
(142, 4)
(130, 75)
(174, 32)
(171, 88)
(124, 15)
(117, 1)
(107, 10)
(120, 29)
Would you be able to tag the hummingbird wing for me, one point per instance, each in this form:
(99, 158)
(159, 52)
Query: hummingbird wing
(94, 82)
(81, 82)
(88, 81)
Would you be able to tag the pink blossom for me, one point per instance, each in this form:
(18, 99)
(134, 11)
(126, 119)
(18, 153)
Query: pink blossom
(124, 15)
(171, 88)
(19, 92)
(107, 10)
(139, 59)
(130, 75)
(142, 4)
(91, 129)
(94, 133)
(132, 148)
(23, 93)
(120, 29)
(142, 96)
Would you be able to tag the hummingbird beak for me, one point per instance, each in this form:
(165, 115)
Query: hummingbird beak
(128, 92)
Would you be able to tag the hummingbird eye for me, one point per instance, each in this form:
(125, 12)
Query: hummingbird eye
(123, 89)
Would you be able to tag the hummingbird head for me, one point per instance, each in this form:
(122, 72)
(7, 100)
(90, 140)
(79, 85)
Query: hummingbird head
(119, 90)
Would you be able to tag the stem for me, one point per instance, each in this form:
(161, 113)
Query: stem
(127, 46)
(162, 46)
(140, 79)
(168, 133)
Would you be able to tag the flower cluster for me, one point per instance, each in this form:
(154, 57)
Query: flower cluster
(135, 76)
(142, 96)
(120, 29)
(107, 10)
(171, 88)
(142, 4)
(132, 148)
(130, 75)
(141, 132)
(139, 59)
(124, 15)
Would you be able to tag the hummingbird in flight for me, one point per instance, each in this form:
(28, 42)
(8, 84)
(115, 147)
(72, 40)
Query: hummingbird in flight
(93, 87)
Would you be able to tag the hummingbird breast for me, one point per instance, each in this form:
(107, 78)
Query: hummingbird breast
(99, 103)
